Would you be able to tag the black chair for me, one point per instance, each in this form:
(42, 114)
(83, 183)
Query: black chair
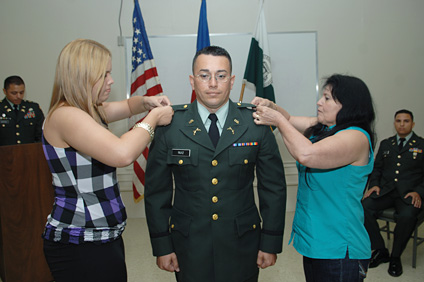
(389, 215)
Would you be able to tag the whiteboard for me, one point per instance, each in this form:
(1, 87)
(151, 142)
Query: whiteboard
(293, 60)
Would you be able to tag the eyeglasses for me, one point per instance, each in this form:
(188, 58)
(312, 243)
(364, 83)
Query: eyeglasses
(220, 77)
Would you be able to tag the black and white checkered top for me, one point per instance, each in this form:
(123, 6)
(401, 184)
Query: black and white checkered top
(88, 205)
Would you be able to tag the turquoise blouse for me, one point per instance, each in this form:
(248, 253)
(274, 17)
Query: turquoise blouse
(329, 218)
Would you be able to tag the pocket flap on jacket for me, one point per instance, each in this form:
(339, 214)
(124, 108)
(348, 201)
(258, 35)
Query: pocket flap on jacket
(247, 221)
(180, 222)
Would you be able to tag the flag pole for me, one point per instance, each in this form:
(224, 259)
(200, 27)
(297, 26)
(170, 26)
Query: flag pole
(242, 91)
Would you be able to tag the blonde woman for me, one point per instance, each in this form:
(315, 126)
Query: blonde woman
(82, 237)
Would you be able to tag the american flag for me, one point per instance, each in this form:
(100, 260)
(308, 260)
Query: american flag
(144, 82)
(202, 35)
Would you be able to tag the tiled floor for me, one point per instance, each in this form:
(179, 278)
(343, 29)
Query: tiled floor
(142, 265)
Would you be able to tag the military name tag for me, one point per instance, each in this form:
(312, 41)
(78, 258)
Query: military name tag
(4, 121)
(181, 152)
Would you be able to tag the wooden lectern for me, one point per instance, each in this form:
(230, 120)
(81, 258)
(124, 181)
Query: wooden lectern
(26, 198)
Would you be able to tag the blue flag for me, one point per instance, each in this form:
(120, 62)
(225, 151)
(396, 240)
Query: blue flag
(202, 35)
(203, 30)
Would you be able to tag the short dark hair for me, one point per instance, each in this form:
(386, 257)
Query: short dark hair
(357, 107)
(403, 111)
(14, 79)
(214, 51)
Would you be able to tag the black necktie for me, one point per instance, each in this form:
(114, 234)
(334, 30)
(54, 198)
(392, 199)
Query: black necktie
(213, 129)
(15, 108)
(400, 146)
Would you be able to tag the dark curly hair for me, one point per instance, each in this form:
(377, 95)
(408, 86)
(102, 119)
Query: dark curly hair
(357, 108)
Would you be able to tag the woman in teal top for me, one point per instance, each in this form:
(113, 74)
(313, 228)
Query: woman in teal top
(334, 154)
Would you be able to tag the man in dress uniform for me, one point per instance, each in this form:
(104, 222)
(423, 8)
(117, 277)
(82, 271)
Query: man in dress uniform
(396, 181)
(20, 120)
(210, 230)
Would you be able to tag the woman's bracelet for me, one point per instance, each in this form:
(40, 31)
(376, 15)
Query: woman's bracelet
(147, 127)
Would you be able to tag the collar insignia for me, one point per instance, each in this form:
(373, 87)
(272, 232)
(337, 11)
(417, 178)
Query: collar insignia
(195, 131)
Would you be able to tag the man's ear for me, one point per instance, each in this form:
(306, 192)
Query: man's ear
(191, 77)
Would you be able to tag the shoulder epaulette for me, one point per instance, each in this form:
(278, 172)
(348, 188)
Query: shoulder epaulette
(392, 138)
(419, 137)
(29, 102)
(180, 107)
(245, 105)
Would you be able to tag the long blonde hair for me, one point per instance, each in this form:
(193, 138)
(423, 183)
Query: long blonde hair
(81, 64)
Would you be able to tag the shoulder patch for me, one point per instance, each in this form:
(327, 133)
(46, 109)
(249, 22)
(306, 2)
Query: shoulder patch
(181, 107)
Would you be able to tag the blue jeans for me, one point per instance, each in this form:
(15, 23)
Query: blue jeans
(335, 270)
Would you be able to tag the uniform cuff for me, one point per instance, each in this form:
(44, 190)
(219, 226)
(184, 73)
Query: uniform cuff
(162, 246)
(272, 244)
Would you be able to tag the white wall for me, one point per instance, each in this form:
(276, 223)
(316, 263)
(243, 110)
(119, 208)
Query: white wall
(380, 41)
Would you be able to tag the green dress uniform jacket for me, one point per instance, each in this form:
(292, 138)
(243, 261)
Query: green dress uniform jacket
(212, 222)
(23, 128)
(401, 170)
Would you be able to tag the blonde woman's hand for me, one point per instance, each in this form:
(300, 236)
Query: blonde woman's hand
(163, 115)
(151, 102)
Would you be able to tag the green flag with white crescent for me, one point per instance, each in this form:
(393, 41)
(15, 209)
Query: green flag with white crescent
(257, 75)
